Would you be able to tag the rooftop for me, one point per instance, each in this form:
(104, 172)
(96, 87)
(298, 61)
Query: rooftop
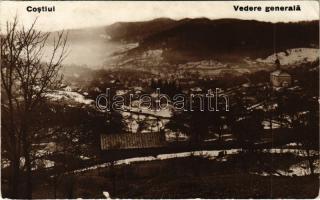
(279, 73)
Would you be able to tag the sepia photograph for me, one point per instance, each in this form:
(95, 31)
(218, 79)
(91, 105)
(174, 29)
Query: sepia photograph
(159, 99)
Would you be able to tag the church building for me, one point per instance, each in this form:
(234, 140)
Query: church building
(279, 77)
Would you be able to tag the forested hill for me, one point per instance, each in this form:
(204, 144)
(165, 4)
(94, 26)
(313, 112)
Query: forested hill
(204, 36)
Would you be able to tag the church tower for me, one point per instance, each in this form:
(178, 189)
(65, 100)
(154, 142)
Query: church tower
(277, 63)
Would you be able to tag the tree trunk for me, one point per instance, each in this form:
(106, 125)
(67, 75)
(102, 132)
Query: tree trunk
(28, 174)
(26, 153)
(55, 181)
(15, 173)
(113, 177)
(14, 182)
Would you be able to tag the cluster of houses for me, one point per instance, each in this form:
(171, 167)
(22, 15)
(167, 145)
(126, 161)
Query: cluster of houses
(278, 79)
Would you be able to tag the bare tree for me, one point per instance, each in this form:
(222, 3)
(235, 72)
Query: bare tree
(25, 81)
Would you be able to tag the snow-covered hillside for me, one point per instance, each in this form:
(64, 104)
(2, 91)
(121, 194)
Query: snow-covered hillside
(68, 96)
(293, 56)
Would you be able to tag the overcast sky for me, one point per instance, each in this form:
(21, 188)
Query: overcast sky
(78, 14)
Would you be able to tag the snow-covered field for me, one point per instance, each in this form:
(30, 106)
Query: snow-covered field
(204, 153)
